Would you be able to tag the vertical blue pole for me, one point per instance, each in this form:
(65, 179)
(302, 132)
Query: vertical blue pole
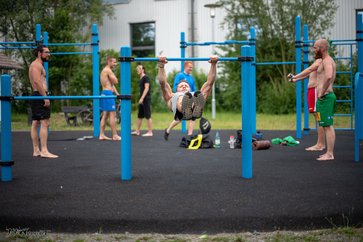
(6, 141)
(95, 81)
(359, 85)
(359, 24)
(46, 64)
(38, 33)
(252, 43)
(298, 70)
(358, 114)
(183, 46)
(125, 89)
(306, 65)
(246, 98)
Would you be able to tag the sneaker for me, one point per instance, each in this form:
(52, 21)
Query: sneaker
(199, 102)
(166, 135)
(187, 104)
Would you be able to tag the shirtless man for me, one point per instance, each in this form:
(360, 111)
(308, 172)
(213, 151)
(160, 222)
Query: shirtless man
(186, 75)
(182, 103)
(40, 108)
(326, 98)
(311, 72)
(108, 106)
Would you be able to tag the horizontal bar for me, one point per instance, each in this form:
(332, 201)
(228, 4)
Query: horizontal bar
(334, 42)
(187, 59)
(342, 86)
(309, 42)
(17, 47)
(275, 63)
(342, 114)
(342, 58)
(63, 97)
(70, 53)
(343, 72)
(18, 43)
(343, 40)
(228, 42)
(343, 101)
(344, 43)
(68, 44)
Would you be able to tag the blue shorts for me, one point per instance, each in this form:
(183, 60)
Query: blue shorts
(109, 104)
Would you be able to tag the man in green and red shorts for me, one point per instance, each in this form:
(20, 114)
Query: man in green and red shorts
(325, 104)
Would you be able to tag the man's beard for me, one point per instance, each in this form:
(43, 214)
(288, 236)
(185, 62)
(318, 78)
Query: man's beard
(318, 55)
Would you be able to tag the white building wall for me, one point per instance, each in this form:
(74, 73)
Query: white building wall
(204, 25)
(173, 16)
(344, 24)
(170, 17)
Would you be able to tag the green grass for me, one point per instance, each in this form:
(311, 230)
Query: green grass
(224, 120)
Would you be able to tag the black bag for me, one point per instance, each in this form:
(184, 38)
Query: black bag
(207, 142)
(238, 143)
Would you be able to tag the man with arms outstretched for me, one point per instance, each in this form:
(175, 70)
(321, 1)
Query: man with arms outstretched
(184, 104)
(311, 72)
(325, 106)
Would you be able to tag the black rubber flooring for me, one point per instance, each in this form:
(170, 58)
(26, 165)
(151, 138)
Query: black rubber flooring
(175, 190)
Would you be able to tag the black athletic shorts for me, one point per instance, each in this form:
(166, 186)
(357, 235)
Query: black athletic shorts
(145, 109)
(39, 112)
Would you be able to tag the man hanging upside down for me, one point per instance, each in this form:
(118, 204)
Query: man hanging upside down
(184, 104)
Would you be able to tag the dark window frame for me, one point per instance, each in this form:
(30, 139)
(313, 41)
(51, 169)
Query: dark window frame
(142, 48)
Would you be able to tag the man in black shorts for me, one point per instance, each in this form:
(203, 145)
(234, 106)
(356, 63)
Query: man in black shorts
(144, 103)
(40, 108)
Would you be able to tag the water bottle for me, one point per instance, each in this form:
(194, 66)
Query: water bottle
(231, 141)
(217, 141)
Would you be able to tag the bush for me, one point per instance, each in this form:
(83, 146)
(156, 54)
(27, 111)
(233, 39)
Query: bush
(276, 97)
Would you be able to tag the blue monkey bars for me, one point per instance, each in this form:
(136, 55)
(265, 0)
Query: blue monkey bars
(251, 42)
(94, 44)
(247, 105)
(6, 138)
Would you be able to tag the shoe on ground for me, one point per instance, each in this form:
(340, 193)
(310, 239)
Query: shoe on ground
(166, 135)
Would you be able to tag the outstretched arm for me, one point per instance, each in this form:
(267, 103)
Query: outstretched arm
(165, 87)
(211, 78)
(305, 73)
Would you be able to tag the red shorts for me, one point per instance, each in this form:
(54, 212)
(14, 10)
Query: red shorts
(312, 96)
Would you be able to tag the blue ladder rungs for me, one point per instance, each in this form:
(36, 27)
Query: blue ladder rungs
(342, 86)
(343, 101)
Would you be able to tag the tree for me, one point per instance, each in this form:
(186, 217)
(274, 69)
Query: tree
(66, 21)
(274, 21)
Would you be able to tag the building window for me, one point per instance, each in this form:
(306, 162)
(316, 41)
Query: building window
(143, 39)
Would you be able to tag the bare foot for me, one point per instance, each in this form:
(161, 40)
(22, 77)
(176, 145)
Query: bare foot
(315, 148)
(36, 153)
(104, 137)
(48, 155)
(136, 133)
(147, 134)
(326, 157)
(116, 138)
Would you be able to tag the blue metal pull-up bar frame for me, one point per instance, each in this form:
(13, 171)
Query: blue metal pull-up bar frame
(251, 42)
(246, 97)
